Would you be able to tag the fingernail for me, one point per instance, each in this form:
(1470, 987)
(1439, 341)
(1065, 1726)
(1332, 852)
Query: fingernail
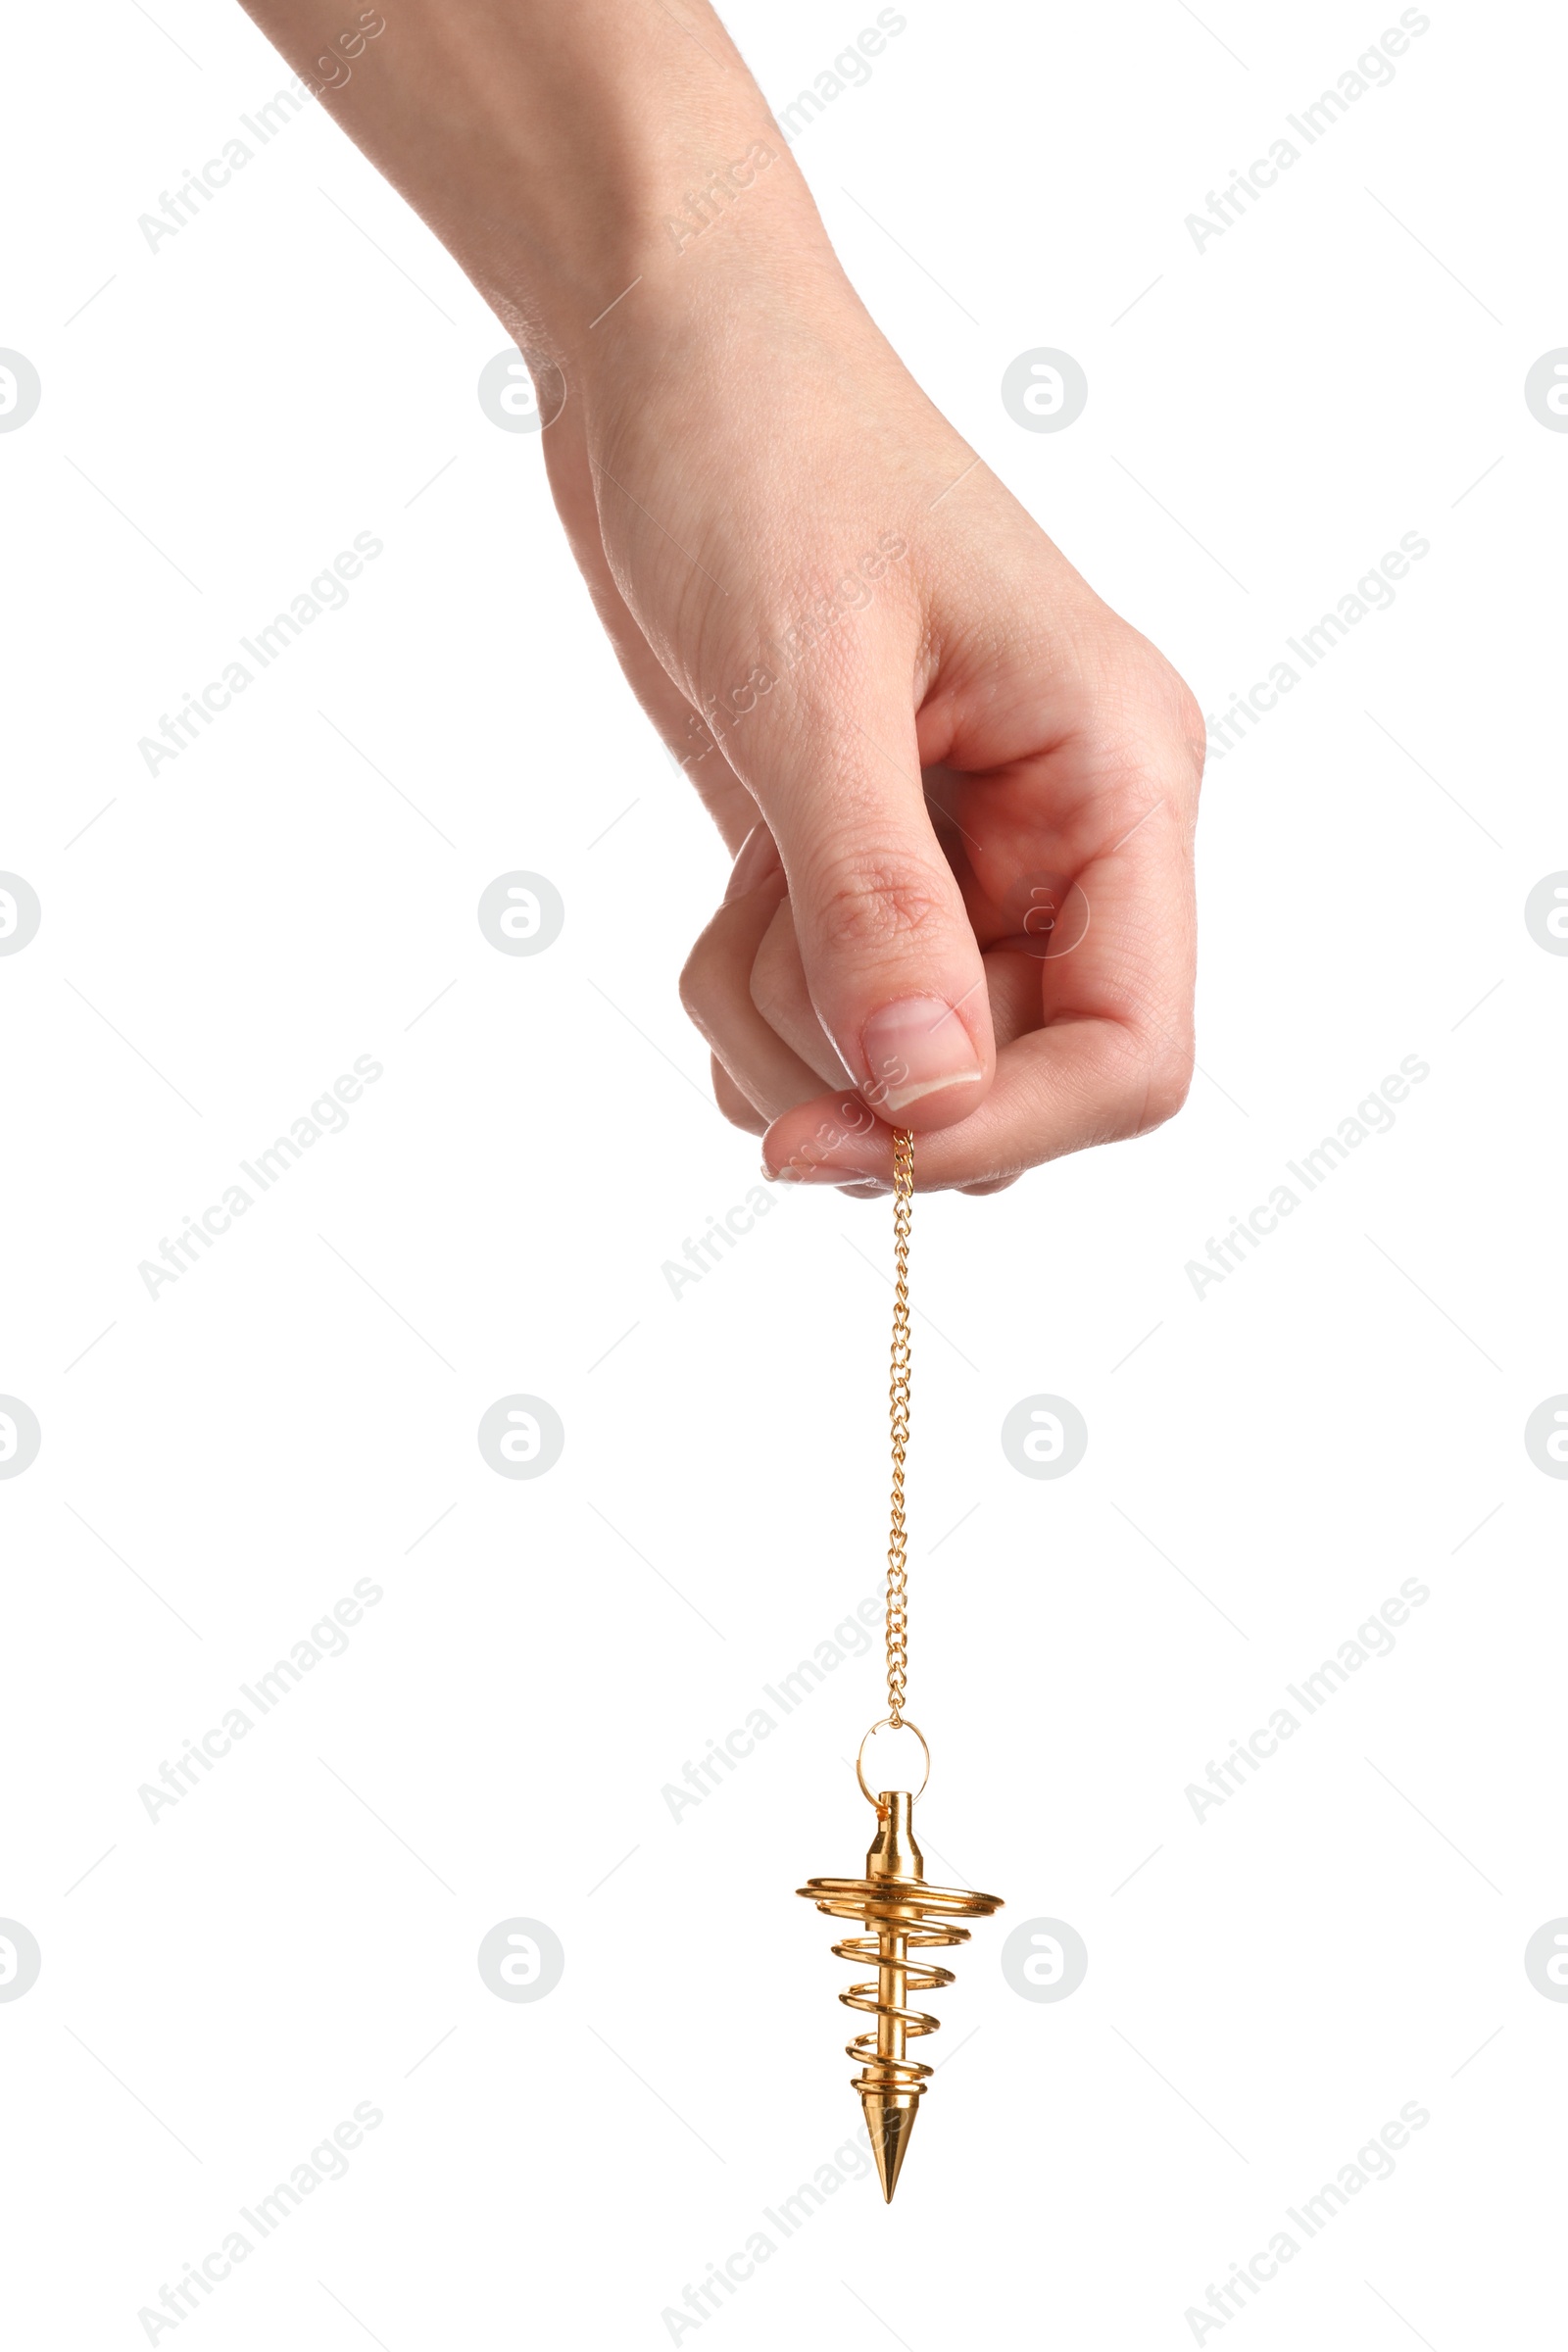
(809, 1168)
(912, 1049)
(828, 1172)
(823, 1159)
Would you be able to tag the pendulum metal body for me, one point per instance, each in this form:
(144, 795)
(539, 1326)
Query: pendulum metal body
(905, 1915)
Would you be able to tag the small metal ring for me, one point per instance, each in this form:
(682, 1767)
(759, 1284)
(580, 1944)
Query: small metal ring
(887, 1724)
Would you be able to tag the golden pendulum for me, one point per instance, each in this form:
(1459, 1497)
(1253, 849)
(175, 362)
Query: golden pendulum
(902, 1913)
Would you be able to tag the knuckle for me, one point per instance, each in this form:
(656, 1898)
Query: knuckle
(1167, 1078)
(1191, 727)
(1138, 1081)
(1180, 718)
(776, 982)
(707, 970)
(739, 1113)
(877, 901)
(732, 1099)
(1162, 723)
(695, 979)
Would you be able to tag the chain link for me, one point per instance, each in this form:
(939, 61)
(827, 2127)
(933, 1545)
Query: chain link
(898, 1402)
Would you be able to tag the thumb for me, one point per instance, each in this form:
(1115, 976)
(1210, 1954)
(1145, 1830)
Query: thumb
(891, 961)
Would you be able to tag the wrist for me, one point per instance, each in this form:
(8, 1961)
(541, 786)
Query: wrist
(705, 219)
(566, 156)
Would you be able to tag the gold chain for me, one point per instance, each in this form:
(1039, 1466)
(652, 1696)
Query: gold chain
(898, 1401)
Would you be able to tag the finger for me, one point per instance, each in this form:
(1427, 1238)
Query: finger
(1055, 1091)
(737, 1107)
(890, 958)
(779, 991)
(755, 862)
(716, 990)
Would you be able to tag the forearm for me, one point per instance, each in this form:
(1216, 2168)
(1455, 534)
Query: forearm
(561, 149)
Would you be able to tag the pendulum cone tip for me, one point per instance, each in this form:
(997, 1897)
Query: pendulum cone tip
(889, 2126)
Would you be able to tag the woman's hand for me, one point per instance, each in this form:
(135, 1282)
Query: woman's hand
(962, 790)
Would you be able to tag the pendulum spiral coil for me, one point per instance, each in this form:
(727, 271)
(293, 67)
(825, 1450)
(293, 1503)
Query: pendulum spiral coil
(905, 1915)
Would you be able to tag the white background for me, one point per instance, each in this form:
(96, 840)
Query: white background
(222, 1464)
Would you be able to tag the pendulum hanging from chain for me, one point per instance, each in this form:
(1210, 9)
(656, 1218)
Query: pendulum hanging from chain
(904, 1915)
